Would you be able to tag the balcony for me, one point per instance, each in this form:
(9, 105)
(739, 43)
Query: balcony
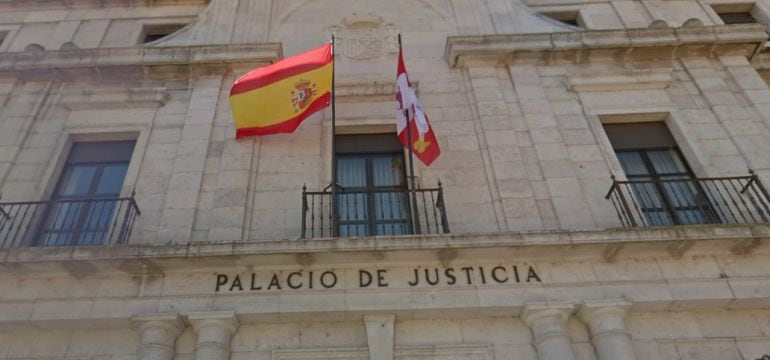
(71, 222)
(690, 201)
(373, 212)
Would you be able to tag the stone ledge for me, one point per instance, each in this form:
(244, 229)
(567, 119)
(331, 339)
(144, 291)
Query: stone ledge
(603, 45)
(555, 245)
(634, 79)
(73, 4)
(128, 98)
(133, 60)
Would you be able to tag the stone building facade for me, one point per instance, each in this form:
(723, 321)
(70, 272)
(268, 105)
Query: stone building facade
(134, 226)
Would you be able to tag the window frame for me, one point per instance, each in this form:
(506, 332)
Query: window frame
(702, 202)
(381, 145)
(89, 198)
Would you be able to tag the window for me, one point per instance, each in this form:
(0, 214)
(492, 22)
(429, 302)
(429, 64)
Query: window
(87, 194)
(571, 18)
(735, 13)
(373, 195)
(737, 18)
(660, 179)
(151, 33)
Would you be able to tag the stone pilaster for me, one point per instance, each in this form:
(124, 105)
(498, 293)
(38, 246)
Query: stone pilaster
(215, 329)
(549, 326)
(157, 335)
(379, 333)
(499, 118)
(178, 217)
(606, 321)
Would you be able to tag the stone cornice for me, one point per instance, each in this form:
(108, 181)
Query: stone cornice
(589, 245)
(603, 45)
(128, 98)
(17, 5)
(111, 62)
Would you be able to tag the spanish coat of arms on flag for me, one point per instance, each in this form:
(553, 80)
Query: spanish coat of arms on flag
(277, 98)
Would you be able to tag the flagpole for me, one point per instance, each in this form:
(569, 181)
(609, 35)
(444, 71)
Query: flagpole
(334, 222)
(415, 213)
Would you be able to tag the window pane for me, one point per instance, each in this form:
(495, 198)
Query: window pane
(632, 163)
(393, 229)
(64, 216)
(92, 238)
(351, 172)
(388, 171)
(353, 207)
(354, 230)
(666, 161)
(57, 239)
(111, 179)
(99, 214)
(78, 180)
(391, 205)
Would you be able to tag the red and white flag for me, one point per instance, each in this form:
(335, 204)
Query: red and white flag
(424, 144)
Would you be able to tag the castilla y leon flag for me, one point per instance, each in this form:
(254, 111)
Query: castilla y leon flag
(424, 144)
(278, 97)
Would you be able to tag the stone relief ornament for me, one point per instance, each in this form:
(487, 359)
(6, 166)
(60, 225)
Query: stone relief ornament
(365, 36)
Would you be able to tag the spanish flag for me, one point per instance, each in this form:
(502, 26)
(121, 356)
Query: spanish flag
(276, 98)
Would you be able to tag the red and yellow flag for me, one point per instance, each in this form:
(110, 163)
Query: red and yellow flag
(277, 98)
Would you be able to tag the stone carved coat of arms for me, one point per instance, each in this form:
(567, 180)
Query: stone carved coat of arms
(365, 36)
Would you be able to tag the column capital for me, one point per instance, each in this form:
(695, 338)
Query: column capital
(219, 319)
(170, 322)
(157, 334)
(606, 322)
(590, 311)
(385, 318)
(548, 322)
(536, 311)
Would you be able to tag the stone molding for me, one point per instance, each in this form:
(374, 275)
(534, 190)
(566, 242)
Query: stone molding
(633, 79)
(130, 61)
(117, 98)
(614, 45)
(69, 4)
(715, 240)
(470, 352)
(353, 92)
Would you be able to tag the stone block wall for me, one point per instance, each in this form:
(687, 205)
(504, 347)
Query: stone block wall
(522, 143)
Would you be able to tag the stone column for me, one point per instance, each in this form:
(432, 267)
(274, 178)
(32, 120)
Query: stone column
(214, 329)
(157, 334)
(606, 322)
(548, 323)
(379, 333)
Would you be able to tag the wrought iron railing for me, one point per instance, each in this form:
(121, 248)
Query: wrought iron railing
(378, 212)
(684, 201)
(67, 222)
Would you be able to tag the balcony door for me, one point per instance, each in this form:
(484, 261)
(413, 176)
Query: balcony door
(82, 206)
(662, 183)
(373, 196)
